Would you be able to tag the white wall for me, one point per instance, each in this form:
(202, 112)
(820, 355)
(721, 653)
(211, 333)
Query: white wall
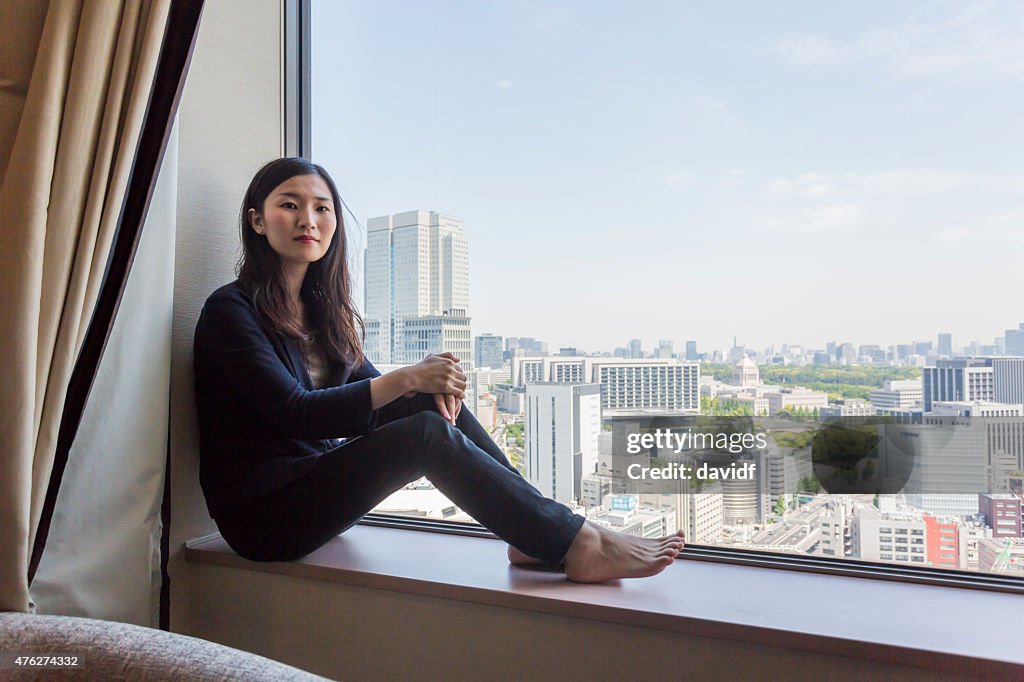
(229, 126)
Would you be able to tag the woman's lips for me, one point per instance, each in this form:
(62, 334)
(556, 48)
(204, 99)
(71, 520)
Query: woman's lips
(306, 240)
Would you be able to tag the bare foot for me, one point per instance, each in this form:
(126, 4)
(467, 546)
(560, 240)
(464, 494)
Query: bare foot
(519, 559)
(599, 554)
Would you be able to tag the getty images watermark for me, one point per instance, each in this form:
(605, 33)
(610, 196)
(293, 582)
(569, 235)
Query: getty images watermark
(665, 440)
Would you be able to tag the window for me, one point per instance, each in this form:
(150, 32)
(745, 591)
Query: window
(600, 180)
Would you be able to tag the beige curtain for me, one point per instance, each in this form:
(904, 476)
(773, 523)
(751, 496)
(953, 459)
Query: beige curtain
(65, 174)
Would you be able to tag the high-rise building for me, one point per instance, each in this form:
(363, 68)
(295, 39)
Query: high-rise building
(958, 379)
(416, 266)
(430, 334)
(897, 395)
(562, 427)
(691, 351)
(652, 384)
(944, 463)
(907, 537)
(1014, 340)
(487, 351)
(1003, 514)
(1008, 380)
(846, 354)
(945, 344)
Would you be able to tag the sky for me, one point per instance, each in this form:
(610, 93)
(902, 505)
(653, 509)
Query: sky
(789, 172)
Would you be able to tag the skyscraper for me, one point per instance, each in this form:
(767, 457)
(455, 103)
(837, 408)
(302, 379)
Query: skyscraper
(967, 379)
(945, 344)
(417, 266)
(487, 351)
(1015, 340)
(1008, 380)
(563, 423)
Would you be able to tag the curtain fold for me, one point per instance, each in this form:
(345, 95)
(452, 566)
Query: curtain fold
(60, 200)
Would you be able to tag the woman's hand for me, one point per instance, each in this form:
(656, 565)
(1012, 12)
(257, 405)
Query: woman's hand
(449, 406)
(438, 374)
(441, 376)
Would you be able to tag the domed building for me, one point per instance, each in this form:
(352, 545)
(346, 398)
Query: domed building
(745, 373)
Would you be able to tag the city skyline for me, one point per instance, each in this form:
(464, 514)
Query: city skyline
(843, 171)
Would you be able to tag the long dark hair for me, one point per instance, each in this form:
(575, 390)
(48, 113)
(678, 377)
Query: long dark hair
(325, 291)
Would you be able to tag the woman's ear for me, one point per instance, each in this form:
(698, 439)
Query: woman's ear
(256, 221)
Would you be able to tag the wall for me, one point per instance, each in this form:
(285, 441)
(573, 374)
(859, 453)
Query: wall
(229, 125)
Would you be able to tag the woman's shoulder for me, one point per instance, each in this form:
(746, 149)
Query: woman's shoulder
(228, 306)
(232, 291)
(232, 298)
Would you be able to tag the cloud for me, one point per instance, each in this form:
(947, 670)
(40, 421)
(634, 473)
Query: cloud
(678, 179)
(983, 38)
(819, 219)
(808, 184)
(503, 84)
(1010, 225)
(813, 51)
(952, 234)
(899, 183)
(1009, 218)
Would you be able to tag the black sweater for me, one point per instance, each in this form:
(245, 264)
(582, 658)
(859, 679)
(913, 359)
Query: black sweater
(261, 423)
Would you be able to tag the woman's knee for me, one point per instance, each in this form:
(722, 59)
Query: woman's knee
(428, 423)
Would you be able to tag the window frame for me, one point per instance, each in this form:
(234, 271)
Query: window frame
(297, 141)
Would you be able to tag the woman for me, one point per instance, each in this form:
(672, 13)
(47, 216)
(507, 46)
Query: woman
(280, 377)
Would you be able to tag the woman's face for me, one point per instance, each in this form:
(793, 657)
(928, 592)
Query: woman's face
(298, 219)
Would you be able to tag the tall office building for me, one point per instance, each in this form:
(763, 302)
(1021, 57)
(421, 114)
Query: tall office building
(416, 266)
(563, 425)
(691, 350)
(431, 334)
(945, 344)
(1008, 380)
(628, 385)
(944, 463)
(1014, 340)
(896, 394)
(959, 379)
(487, 351)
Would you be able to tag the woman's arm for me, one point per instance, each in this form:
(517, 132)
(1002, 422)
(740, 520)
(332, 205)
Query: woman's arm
(437, 374)
(238, 365)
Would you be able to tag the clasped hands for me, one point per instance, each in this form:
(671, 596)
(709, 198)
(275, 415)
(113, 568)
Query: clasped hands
(441, 375)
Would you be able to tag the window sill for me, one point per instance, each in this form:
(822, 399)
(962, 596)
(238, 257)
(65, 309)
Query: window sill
(973, 632)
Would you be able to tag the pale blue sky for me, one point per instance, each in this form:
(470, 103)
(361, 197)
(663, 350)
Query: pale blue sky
(783, 172)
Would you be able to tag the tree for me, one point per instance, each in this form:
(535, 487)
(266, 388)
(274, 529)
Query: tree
(809, 484)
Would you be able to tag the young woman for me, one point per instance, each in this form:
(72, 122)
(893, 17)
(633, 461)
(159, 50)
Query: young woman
(281, 379)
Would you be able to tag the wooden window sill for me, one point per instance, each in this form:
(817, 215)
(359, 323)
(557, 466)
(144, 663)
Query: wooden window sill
(939, 628)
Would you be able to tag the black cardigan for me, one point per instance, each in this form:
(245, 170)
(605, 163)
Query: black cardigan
(261, 423)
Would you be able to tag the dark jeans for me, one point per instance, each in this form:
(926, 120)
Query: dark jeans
(411, 440)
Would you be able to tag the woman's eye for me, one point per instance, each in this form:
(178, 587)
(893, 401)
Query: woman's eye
(288, 204)
(324, 209)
